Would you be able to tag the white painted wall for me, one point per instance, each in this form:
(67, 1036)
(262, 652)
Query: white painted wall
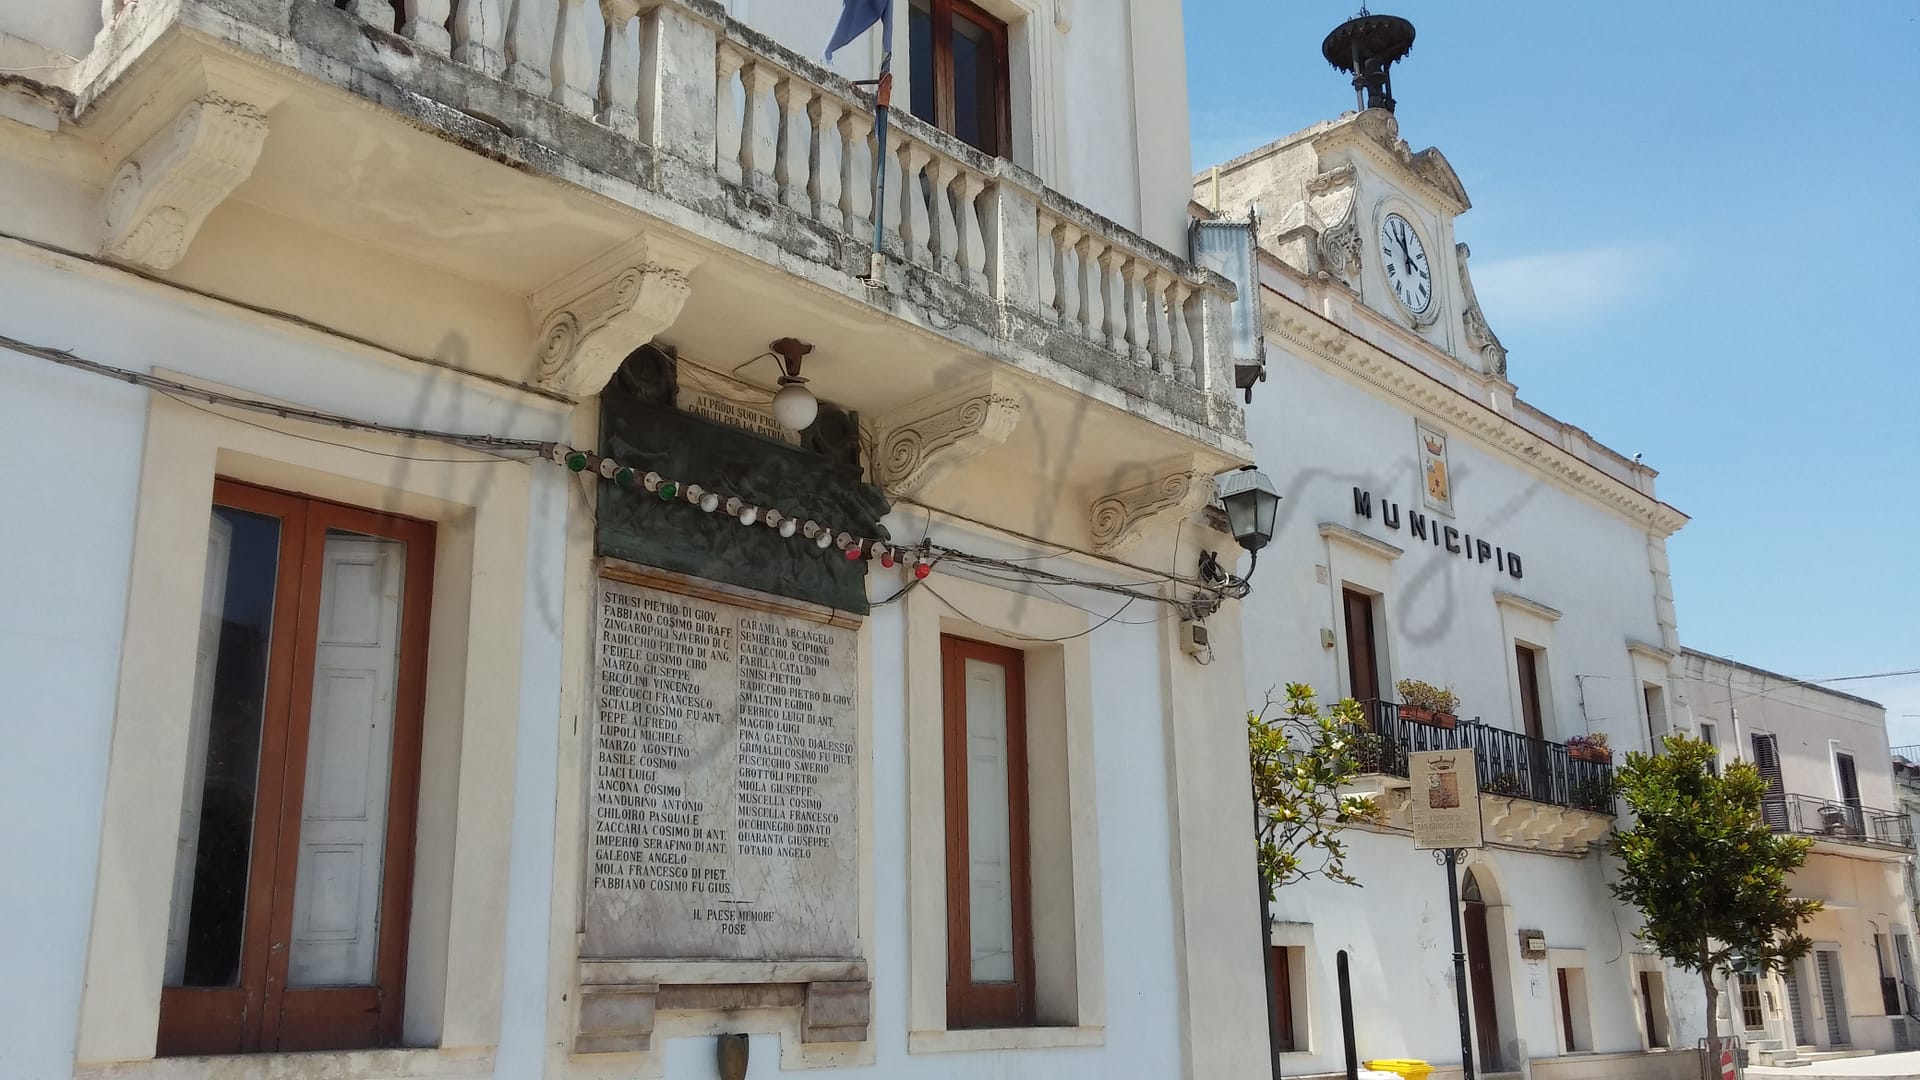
(76, 441)
(1319, 434)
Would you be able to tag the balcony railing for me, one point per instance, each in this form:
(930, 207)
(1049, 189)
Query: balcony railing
(698, 108)
(1508, 762)
(1836, 819)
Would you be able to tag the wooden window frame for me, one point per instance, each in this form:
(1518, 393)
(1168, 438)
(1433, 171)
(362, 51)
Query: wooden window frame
(972, 1004)
(263, 1013)
(940, 14)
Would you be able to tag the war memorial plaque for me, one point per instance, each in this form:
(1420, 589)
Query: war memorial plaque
(722, 786)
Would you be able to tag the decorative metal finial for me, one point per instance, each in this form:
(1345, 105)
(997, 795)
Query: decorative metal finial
(1367, 45)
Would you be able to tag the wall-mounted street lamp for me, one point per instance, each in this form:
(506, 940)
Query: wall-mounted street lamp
(1253, 504)
(1253, 508)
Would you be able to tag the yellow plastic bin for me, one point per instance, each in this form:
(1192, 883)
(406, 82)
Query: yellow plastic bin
(1410, 1068)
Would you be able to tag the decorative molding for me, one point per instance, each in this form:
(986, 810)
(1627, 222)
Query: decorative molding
(1063, 15)
(1340, 248)
(1379, 132)
(1318, 338)
(1520, 603)
(616, 1019)
(1650, 651)
(1340, 534)
(163, 193)
(1480, 336)
(594, 317)
(937, 434)
(1121, 519)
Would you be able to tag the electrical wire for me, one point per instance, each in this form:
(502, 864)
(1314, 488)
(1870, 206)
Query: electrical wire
(494, 460)
(1023, 637)
(496, 444)
(173, 387)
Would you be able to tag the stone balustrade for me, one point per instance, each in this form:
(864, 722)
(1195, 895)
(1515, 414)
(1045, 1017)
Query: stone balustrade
(732, 125)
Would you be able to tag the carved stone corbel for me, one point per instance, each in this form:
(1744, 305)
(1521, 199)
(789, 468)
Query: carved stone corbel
(1480, 336)
(165, 190)
(1121, 519)
(934, 435)
(594, 317)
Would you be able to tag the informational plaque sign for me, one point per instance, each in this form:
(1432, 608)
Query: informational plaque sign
(1445, 800)
(722, 811)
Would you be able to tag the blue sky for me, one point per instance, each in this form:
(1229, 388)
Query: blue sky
(1695, 229)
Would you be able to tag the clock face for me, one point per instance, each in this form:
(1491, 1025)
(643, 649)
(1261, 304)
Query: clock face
(1406, 264)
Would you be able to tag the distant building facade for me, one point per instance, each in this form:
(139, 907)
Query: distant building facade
(1438, 528)
(1824, 754)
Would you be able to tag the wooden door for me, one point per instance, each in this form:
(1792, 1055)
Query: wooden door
(1529, 667)
(1363, 657)
(1486, 1022)
(1850, 792)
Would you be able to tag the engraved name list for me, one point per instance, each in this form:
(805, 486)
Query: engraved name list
(723, 795)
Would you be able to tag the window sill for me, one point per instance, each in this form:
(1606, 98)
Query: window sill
(1027, 1038)
(343, 1064)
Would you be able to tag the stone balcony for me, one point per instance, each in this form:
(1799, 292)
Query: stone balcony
(669, 117)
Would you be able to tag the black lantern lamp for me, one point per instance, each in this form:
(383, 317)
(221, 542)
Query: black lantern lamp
(1253, 506)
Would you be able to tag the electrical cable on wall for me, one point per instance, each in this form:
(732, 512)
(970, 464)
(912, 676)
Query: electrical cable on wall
(922, 556)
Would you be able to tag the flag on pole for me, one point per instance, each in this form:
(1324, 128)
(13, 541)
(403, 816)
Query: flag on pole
(856, 16)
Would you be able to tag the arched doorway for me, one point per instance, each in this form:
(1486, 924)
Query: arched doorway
(1486, 1019)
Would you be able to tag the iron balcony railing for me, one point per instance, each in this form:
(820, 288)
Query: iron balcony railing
(1837, 819)
(1508, 762)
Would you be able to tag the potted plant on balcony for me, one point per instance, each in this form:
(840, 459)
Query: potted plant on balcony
(1506, 784)
(1425, 703)
(1590, 748)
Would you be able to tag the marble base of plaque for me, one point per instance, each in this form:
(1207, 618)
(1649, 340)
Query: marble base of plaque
(618, 1018)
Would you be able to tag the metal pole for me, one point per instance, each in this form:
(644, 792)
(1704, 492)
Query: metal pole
(882, 99)
(1346, 1015)
(1459, 964)
(1266, 965)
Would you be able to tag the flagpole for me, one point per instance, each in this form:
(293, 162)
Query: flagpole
(882, 98)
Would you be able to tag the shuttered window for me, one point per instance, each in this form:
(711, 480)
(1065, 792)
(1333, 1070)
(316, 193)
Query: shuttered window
(295, 848)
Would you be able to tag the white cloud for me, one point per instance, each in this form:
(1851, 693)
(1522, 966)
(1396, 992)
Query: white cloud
(1561, 286)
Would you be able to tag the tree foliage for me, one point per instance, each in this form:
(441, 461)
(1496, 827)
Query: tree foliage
(1301, 759)
(1709, 876)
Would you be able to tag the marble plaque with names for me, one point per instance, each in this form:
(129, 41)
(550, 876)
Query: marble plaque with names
(722, 802)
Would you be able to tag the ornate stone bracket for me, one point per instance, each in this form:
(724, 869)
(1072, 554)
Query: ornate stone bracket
(933, 435)
(165, 190)
(1480, 337)
(1121, 519)
(594, 317)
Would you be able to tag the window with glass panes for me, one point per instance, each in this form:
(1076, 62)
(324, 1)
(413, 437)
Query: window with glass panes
(293, 869)
(958, 56)
(989, 897)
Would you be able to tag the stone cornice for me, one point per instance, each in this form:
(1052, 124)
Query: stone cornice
(1520, 603)
(1318, 339)
(1377, 133)
(1340, 534)
(1650, 651)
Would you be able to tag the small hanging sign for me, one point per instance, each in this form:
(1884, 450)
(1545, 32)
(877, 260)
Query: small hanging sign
(1445, 805)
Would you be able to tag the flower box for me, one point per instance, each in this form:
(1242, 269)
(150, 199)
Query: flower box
(1590, 753)
(1428, 716)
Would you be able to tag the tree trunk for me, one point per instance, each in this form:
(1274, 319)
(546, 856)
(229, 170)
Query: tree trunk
(1713, 1021)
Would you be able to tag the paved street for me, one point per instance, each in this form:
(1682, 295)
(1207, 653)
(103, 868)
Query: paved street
(1883, 1065)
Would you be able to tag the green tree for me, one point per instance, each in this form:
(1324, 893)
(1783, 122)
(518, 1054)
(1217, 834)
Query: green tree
(1708, 875)
(1301, 758)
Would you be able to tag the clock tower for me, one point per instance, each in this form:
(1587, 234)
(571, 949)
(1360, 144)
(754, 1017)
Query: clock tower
(1348, 201)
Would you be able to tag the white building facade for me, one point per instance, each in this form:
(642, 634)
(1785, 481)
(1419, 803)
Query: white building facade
(422, 601)
(1830, 778)
(1437, 528)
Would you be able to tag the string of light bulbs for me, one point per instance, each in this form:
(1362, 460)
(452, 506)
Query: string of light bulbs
(919, 557)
